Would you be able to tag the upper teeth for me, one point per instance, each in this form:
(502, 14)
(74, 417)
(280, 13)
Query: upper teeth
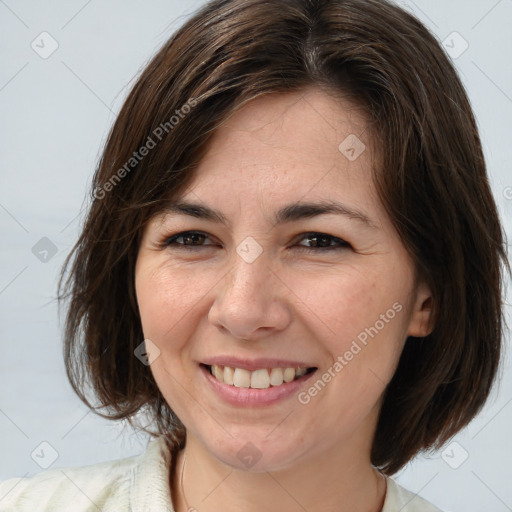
(259, 379)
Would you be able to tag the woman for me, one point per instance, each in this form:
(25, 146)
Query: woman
(292, 261)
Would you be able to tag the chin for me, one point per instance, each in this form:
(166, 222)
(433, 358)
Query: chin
(254, 453)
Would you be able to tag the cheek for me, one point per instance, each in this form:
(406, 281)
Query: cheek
(360, 317)
(168, 299)
(169, 303)
(341, 303)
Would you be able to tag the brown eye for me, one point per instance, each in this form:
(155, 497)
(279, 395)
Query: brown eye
(316, 241)
(188, 239)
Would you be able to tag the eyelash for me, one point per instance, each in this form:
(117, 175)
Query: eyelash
(171, 241)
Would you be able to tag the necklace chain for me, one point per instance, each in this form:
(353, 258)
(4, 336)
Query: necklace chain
(182, 490)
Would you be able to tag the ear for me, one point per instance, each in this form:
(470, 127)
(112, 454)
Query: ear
(421, 314)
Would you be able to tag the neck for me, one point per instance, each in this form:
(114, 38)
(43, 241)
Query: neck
(339, 480)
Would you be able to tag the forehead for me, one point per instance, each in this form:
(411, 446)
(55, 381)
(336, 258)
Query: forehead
(290, 146)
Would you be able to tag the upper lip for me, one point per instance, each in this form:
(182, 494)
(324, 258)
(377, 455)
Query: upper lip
(254, 364)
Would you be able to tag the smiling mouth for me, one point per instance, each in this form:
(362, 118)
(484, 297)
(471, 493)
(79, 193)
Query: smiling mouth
(262, 378)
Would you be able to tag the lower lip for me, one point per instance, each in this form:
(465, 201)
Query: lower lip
(250, 397)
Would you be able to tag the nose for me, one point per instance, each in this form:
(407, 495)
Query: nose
(250, 301)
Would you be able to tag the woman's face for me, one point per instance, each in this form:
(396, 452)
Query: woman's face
(279, 255)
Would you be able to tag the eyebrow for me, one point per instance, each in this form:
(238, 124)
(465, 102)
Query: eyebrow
(290, 213)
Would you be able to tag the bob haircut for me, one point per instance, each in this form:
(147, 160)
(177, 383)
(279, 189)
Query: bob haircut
(430, 177)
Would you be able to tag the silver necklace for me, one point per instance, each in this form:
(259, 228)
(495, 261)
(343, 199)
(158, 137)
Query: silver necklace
(182, 490)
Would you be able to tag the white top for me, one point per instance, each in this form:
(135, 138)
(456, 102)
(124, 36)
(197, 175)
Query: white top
(135, 484)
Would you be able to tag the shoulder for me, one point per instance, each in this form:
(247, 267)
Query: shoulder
(398, 498)
(130, 483)
(87, 488)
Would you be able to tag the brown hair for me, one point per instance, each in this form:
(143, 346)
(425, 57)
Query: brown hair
(431, 179)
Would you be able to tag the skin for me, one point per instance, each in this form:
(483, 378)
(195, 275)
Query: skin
(294, 301)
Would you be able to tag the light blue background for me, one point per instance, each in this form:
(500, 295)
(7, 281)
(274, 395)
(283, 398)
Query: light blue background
(55, 114)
